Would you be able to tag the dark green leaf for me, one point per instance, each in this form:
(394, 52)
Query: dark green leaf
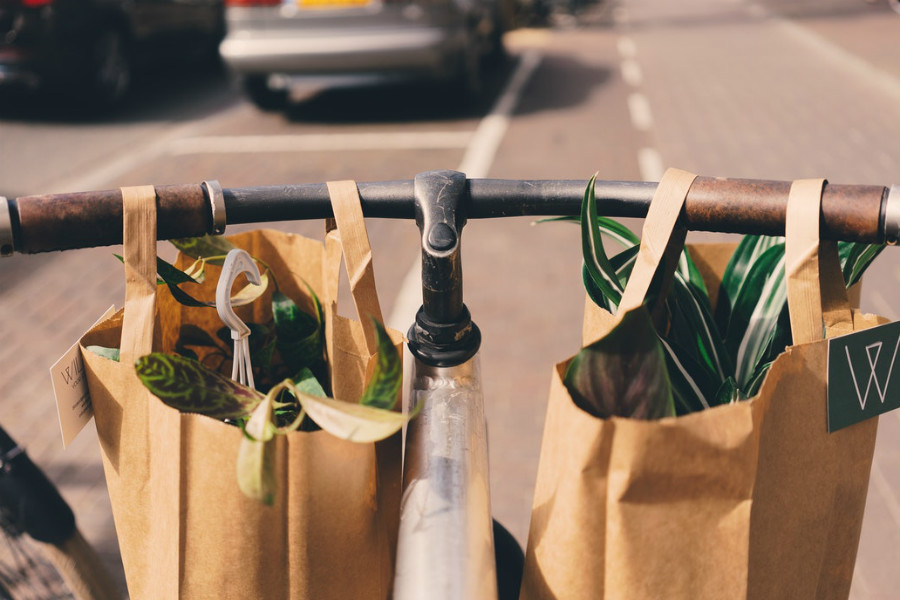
(693, 384)
(856, 258)
(692, 327)
(748, 251)
(752, 388)
(110, 353)
(756, 312)
(188, 386)
(729, 392)
(596, 262)
(384, 388)
(624, 373)
(300, 338)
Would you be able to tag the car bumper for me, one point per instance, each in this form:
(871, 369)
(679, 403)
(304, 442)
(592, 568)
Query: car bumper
(392, 51)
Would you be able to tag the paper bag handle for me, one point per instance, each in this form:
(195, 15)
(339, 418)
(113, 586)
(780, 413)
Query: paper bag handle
(139, 254)
(351, 239)
(817, 297)
(661, 243)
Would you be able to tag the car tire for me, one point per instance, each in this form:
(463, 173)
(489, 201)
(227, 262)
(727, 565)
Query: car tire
(111, 69)
(265, 98)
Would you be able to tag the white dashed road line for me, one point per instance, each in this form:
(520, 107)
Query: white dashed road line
(639, 109)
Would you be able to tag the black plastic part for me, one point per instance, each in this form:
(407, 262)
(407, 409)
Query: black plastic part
(29, 502)
(443, 334)
(510, 561)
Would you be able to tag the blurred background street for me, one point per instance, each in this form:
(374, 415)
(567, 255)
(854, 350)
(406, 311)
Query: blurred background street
(766, 89)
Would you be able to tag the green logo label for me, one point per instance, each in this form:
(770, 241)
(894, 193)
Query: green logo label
(863, 375)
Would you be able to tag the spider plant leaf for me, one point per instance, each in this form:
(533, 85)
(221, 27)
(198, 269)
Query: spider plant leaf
(352, 422)
(856, 258)
(623, 374)
(189, 386)
(748, 251)
(729, 392)
(300, 339)
(383, 389)
(752, 387)
(610, 227)
(595, 259)
(214, 247)
(692, 383)
(688, 270)
(108, 353)
(256, 455)
(693, 327)
(595, 293)
(755, 313)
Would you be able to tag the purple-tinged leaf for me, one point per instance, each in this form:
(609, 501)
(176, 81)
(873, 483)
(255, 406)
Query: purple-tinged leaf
(624, 373)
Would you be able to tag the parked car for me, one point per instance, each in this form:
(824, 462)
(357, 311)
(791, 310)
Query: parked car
(88, 49)
(272, 44)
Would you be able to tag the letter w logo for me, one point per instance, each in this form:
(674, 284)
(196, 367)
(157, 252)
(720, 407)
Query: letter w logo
(873, 353)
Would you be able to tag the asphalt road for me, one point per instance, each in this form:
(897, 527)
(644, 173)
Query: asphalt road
(769, 90)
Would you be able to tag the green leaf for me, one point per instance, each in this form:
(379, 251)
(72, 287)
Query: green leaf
(688, 270)
(729, 392)
(256, 455)
(189, 386)
(384, 387)
(756, 311)
(856, 258)
(109, 353)
(748, 251)
(300, 339)
(207, 246)
(352, 422)
(693, 327)
(597, 264)
(624, 373)
(692, 383)
(752, 388)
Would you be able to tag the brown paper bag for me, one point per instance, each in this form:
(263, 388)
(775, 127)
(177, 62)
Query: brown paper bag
(748, 500)
(185, 529)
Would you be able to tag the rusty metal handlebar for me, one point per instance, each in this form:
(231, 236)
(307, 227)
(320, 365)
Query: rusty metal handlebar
(32, 224)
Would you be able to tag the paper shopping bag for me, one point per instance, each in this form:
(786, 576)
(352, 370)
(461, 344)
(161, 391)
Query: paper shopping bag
(185, 529)
(753, 499)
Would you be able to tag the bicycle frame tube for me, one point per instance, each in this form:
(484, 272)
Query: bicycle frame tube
(446, 546)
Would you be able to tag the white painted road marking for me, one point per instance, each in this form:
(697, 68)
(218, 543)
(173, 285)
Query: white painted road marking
(639, 109)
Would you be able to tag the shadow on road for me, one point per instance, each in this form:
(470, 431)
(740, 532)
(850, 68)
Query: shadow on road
(173, 92)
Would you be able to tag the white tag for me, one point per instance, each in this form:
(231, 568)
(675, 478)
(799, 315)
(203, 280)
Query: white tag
(73, 400)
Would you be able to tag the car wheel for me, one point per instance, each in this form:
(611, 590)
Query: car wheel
(110, 77)
(265, 98)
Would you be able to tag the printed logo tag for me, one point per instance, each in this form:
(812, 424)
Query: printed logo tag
(863, 375)
(73, 400)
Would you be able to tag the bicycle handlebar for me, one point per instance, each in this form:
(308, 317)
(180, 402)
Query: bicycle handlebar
(33, 224)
